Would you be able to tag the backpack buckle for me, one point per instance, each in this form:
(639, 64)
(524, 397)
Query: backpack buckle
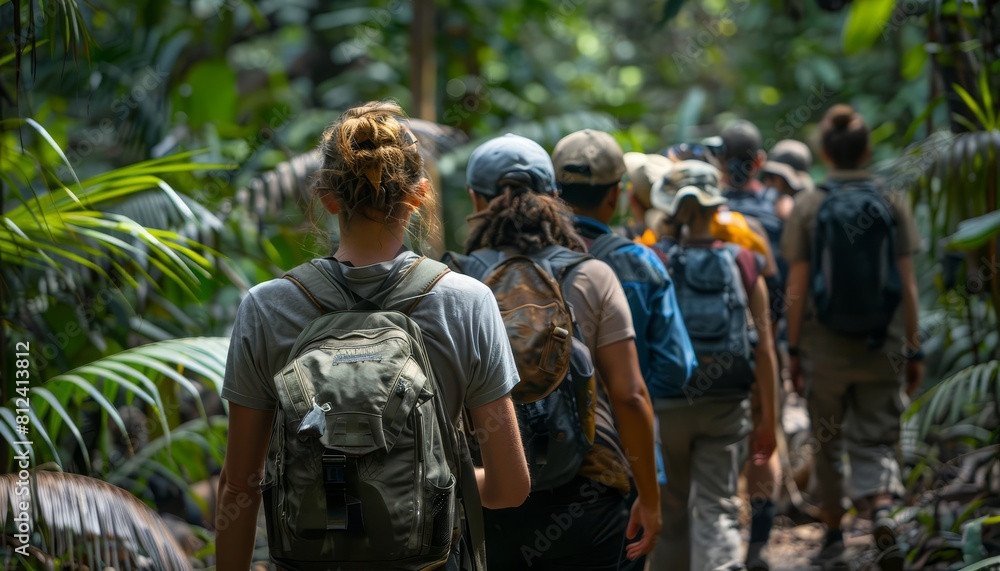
(338, 504)
(335, 469)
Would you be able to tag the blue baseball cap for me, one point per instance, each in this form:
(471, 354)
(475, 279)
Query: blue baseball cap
(508, 155)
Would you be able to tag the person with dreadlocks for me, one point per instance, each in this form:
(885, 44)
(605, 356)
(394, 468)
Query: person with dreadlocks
(583, 522)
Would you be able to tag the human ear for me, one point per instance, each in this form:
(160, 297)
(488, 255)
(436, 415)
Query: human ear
(423, 190)
(613, 196)
(330, 203)
(479, 202)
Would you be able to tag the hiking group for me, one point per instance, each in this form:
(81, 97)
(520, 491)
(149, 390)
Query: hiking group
(565, 395)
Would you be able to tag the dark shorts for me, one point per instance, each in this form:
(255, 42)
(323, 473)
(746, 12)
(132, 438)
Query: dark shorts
(578, 526)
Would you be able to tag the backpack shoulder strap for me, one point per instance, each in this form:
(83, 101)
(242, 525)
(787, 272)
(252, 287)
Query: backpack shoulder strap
(324, 292)
(415, 284)
(475, 265)
(607, 243)
(559, 261)
(329, 294)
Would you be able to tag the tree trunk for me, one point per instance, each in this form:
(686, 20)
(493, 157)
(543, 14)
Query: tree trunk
(423, 83)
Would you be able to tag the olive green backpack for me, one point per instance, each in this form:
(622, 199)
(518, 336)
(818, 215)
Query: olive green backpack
(365, 470)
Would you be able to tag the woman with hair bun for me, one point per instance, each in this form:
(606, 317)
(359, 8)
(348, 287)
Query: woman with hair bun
(372, 179)
(852, 328)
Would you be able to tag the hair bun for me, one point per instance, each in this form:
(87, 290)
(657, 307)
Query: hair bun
(370, 145)
(370, 159)
(841, 116)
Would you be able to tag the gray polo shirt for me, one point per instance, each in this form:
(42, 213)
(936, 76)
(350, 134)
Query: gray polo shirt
(463, 332)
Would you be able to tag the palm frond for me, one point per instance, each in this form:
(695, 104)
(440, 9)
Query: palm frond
(77, 230)
(86, 522)
(266, 194)
(157, 375)
(958, 398)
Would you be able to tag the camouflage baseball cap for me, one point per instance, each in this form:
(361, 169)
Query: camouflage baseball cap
(588, 157)
(685, 179)
(507, 155)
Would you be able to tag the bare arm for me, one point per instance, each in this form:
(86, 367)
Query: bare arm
(911, 307)
(783, 207)
(911, 316)
(797, 288)
(503, 480)
(618, 364)
(239, 486)
(766, 373)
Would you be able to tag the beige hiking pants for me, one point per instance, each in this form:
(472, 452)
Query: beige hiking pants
(857, 421)
(704, 448)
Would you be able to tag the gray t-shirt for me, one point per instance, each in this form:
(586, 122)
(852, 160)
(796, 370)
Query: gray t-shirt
(464, 336)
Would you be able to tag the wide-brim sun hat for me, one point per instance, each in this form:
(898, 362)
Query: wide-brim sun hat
(687, 179)
(790, 159)
(794, 178)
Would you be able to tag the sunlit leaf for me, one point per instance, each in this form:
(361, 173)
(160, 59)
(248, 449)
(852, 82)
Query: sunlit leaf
(866, 21)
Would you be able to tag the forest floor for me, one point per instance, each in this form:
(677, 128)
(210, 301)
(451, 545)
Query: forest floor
(792, 546)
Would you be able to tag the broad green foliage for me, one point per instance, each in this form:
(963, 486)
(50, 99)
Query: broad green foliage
(866, 21)
(133, 224)
(168, 380)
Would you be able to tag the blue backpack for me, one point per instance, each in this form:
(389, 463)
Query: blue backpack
(715, 308)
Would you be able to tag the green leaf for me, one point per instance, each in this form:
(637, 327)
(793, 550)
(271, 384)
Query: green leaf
(973, 106)
(975, 232)
(984, 565)
(60, 410)
(866, 20)
(212, 97)
(921, 119)
(914, 62)
(984, 89)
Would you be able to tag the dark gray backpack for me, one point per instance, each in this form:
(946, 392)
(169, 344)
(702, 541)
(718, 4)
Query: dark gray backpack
(715, 308)
(364, 466)
(854, 280)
